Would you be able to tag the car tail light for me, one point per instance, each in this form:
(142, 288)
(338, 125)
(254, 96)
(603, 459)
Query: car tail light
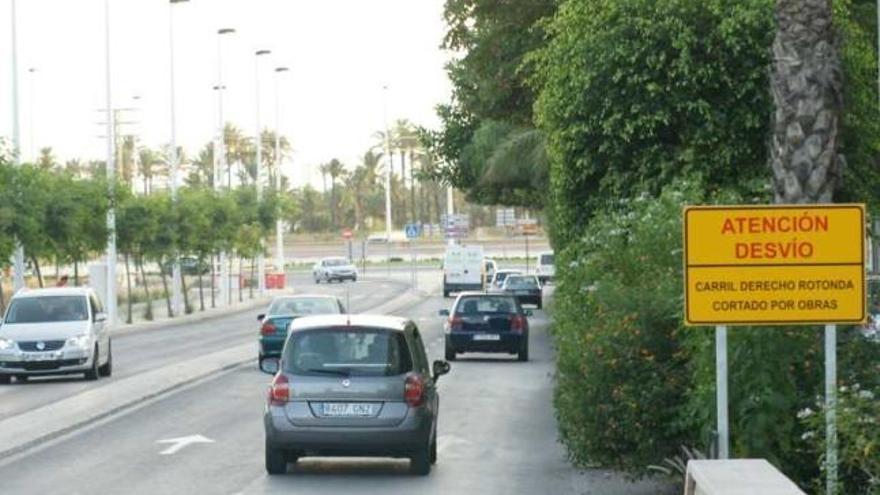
(517, 323)
(455, 323)
(414, 391)
(279, 391)
(268, 328)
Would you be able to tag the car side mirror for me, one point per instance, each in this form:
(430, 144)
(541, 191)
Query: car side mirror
(260, 317)
(100, 316)
(443, 312)
(440, 368)
(528, 312)
(270, 365)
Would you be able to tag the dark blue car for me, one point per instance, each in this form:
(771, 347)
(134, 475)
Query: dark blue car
(283, 310)
(484, 322)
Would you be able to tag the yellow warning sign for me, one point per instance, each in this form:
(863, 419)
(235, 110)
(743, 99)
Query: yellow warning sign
(765, 265)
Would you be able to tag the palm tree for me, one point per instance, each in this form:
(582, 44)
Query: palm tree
(806, 84)
(46, 160)
(148, 164)
(335, 169)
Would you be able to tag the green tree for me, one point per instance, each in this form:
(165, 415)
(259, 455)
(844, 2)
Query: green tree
(634, 93)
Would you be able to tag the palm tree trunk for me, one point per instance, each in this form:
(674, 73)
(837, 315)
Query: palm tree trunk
(76, 272)
(806, 84)
(128, 284)
(412, 185)
(165, 289)
(403, 179)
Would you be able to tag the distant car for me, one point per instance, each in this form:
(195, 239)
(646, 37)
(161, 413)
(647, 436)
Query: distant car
(489, 268)
(546, 270)
(55, 331)
(486, 322)
(500, 275)
(525, 288)
(337, 268)
(189, 265)
(352, 385)
(377, 239)
(283, 310)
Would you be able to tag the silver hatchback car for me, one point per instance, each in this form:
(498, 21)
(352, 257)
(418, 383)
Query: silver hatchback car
(352, 385)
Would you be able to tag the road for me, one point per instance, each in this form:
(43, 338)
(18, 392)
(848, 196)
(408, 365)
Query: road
(426, 249)
(497, 433)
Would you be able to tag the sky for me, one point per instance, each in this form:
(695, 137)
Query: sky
(340, 54)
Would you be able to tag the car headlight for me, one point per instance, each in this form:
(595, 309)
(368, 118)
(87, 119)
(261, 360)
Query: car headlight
(6, 344)
(79, 341)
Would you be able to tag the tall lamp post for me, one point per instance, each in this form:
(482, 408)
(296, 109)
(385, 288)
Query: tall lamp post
(279, 228)
(111, 176)
(387, 176)
(261, 260)
(225, 288)
(18, 282)
(33, 83)
(176, 285)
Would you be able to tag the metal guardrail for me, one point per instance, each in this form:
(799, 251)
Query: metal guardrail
(737, 477)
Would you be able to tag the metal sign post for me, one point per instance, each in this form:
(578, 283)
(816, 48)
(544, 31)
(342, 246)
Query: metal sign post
(831, 409)
(413, 230)
(721, 391)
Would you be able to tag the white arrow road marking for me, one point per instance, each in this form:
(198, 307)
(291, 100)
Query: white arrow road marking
(181, 442)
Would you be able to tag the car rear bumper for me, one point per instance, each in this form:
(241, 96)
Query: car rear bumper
(271, 346)
(411, 434)
(508, 342)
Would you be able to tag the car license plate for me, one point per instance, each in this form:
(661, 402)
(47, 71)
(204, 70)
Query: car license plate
(347, 410)
(523, 293)
(39, 356)
(487, 336)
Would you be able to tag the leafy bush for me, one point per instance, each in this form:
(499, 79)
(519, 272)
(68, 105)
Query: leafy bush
(622, 371)
(858, 433)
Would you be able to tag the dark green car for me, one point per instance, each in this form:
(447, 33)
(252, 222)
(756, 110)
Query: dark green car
(283, 310)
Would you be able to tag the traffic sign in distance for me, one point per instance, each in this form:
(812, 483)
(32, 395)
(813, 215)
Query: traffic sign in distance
(527, 226)
(774, 265)
(346, 234)
(413, 230)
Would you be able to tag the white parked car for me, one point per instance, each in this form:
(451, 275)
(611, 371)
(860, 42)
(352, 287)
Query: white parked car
(330, 269)
(546, 270)
(55, 331)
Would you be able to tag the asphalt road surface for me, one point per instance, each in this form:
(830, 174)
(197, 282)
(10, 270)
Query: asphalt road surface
(497, 434)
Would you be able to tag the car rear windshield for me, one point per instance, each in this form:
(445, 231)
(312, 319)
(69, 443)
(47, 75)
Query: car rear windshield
(47, 309)
(500, 276)
(546, 259)
(516, 282)
(476, 305)
(347, 352)
(303, 306)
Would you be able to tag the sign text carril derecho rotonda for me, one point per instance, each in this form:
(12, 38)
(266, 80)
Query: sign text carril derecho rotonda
(774, 264)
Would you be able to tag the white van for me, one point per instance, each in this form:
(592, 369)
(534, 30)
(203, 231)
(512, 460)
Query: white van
(546, 271)
(463, 269)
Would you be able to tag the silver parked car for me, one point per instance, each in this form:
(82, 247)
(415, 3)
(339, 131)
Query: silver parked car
(330, 269)
(55, 331)
(352, 385)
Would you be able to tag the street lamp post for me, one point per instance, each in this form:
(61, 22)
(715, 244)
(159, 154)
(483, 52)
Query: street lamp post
(111, 177)
(33, 83)
(176, 282)
(261, 260)
(279, 228)
(225, 288)
(18, 282)
(387, 171)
